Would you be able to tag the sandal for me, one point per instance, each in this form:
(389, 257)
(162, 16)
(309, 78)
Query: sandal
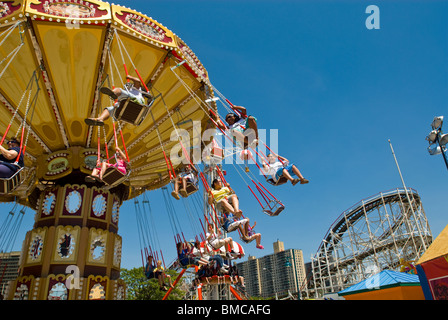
(175, 195)
(90, 179)
(109, 92)
(93, 122)
(295, 181)
(304, 181)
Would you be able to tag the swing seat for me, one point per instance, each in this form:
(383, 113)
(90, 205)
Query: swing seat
(246, 241)
(191, 188)
(8, 185)
(280, 181)
(112, 176)
(274, 210)
(131, 112)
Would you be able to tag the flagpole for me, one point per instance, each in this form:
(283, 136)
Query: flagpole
(407, 195)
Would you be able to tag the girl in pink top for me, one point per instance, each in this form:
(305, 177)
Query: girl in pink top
(120, 164)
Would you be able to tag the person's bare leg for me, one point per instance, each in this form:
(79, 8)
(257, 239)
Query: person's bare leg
(299, 174)
(95, 172)
(98, 121)
(287, 175)
(227, 206)
(104, 115)
(257, 238)
(184, 187)
(254, 127)
(236, 204)
(103, 169)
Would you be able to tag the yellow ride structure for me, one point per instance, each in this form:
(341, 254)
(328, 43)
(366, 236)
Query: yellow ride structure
(61, 52)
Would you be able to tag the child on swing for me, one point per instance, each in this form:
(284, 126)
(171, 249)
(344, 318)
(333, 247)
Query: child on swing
(189, 175)
(120, 164)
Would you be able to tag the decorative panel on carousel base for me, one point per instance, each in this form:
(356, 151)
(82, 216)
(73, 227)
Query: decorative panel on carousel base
(115, 214)
(99, 211)
(98, 247)
(74, 202)
(36, 249)
(48, 207)
(56, 287)
(117, 290)
(97, 288)
(66, 245)
(37, 240)
(24, 288)
(116, 260)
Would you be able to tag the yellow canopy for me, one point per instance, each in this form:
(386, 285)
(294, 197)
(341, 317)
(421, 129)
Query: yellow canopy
(75, 47)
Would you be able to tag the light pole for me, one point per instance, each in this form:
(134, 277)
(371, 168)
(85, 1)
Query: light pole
(436, 136)
(273, 281)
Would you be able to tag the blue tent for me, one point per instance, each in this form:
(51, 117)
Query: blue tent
(383, 280)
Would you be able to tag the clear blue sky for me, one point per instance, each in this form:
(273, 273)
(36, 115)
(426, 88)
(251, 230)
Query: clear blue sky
(336, 92)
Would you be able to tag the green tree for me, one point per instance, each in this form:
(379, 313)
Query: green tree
(141, 288)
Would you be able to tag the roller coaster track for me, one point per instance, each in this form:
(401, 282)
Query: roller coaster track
(375, 232)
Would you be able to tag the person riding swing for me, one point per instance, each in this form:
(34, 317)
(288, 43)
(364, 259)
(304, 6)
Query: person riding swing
(188, 178)
(132, 92)
(243, 127)
(282, 169)
(8, 165)
(120, 164)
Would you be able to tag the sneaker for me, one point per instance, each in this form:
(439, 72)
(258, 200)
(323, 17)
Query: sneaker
(223, 270)
(260, 247)
(109, 92)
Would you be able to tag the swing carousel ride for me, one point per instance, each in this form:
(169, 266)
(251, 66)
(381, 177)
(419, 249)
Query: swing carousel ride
(55, 56)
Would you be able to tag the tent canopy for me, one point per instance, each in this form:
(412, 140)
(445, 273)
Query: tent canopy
(382, 280)
(438, 248)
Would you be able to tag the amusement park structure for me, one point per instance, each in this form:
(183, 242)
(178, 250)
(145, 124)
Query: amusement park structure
(375, 234)
(55, 57)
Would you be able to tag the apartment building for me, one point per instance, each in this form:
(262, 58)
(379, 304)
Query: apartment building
(9, 268)
(277, 275)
